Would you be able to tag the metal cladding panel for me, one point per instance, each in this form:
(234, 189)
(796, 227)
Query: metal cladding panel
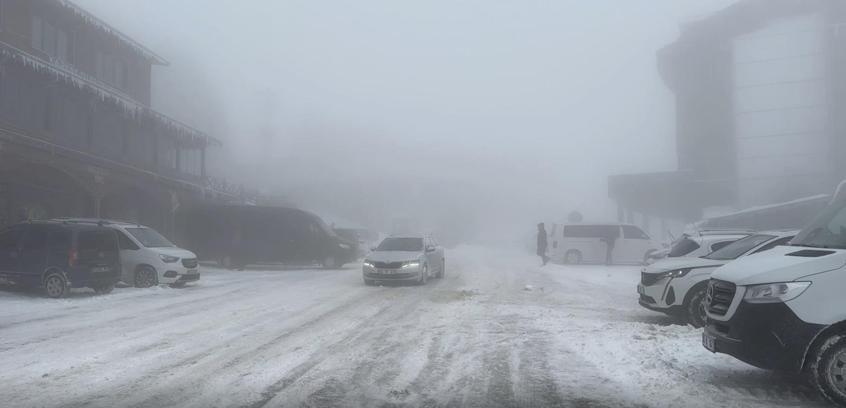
(781, 109)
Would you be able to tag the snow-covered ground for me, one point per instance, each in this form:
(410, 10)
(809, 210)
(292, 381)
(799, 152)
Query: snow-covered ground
(499, 331)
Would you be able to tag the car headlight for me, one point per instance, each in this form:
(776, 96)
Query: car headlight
(344, 246)
(168, 258)
(679, 273)
(411, 265)
(368, 264)
(775, 292)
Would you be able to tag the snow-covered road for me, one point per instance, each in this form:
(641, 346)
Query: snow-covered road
(498, 332)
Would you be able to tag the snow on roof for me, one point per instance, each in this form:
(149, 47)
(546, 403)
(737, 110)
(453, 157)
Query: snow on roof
(95, 21)
(102, 90)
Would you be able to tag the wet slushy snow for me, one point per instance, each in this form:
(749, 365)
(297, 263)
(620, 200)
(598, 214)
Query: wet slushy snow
(498, 331)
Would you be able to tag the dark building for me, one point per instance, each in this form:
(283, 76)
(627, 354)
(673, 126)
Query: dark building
(760, 92)
(77, 134)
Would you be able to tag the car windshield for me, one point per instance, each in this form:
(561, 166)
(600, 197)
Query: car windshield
(826, 231)
(401, 244)
(683, 247)
(150, 238)
(738, 248)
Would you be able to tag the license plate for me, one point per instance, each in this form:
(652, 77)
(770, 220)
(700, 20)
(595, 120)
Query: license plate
(641, 290)
(709, 342)
(101, 269)
(386, 272)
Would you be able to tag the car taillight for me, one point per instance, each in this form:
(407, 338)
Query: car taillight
(72, 257)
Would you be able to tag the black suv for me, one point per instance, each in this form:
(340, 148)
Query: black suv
(57, 256)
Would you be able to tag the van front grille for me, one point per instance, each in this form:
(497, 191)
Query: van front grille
(719, 297)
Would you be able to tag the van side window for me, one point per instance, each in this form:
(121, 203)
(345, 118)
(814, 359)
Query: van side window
(59, 240)
(125, 243)
(9, 239)
(35, 239)
(592, 231)
(632, 232)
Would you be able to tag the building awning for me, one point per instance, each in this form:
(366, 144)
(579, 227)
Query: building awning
(674, 195)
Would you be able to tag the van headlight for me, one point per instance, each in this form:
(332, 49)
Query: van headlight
(775, 292)
(168, 258)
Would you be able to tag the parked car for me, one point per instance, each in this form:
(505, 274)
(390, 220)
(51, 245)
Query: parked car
(57, 256)
(405, 258)
(786, 310)
(677, 286)
(240, 235)
(588, 243)
(697, 243)
(148, 258)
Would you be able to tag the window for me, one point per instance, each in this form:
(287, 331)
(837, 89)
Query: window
(683, 247)
(738, 248)
(592, 231)
(9, 239)
(59, 240)
(720, 245)
(112, 70)
(150, 238)
(632, 232)
(125, 243)
(35, 239)
(50, 39)
(401, 244)
(771, 245)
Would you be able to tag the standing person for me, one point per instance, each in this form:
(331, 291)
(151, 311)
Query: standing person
(542, 243)
(610, 239)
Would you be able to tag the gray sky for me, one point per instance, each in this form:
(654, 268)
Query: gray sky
(529, 104)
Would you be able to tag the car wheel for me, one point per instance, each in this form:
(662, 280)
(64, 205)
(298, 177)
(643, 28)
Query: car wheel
(573, 257)
(424, 276)
(369, 282)
(146, 277)
(104, 288)
(828, 370)
(55, 285)
(696, 309)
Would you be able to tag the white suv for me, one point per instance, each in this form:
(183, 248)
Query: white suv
(698, 243)
(677, 286)
(149, 259)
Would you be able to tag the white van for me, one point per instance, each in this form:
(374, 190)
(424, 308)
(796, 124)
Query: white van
(786, 309)
(677, 286)
(588, 243)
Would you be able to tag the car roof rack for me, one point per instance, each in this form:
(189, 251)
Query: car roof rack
(722, 231)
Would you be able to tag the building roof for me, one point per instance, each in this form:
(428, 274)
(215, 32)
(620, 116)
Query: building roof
(95, 21)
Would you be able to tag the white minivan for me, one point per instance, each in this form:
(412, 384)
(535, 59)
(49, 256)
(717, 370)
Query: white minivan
(147, 258)
(786, 309)
(589, 243)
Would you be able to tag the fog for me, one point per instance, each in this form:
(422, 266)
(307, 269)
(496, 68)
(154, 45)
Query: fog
(474, 117)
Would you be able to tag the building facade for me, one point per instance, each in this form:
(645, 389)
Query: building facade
(77, 134)
(760, 88)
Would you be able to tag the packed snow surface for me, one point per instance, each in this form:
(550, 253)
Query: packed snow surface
(498, 331)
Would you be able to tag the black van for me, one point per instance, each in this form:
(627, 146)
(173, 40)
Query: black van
(240, 235)
(57, 256)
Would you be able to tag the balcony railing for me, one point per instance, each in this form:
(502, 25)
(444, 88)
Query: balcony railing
(104, 91)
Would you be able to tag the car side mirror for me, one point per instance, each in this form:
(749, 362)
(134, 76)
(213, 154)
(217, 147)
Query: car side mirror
(430, 249)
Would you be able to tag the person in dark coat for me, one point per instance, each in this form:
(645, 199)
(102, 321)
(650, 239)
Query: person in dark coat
(610, 240)
(542, 243)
